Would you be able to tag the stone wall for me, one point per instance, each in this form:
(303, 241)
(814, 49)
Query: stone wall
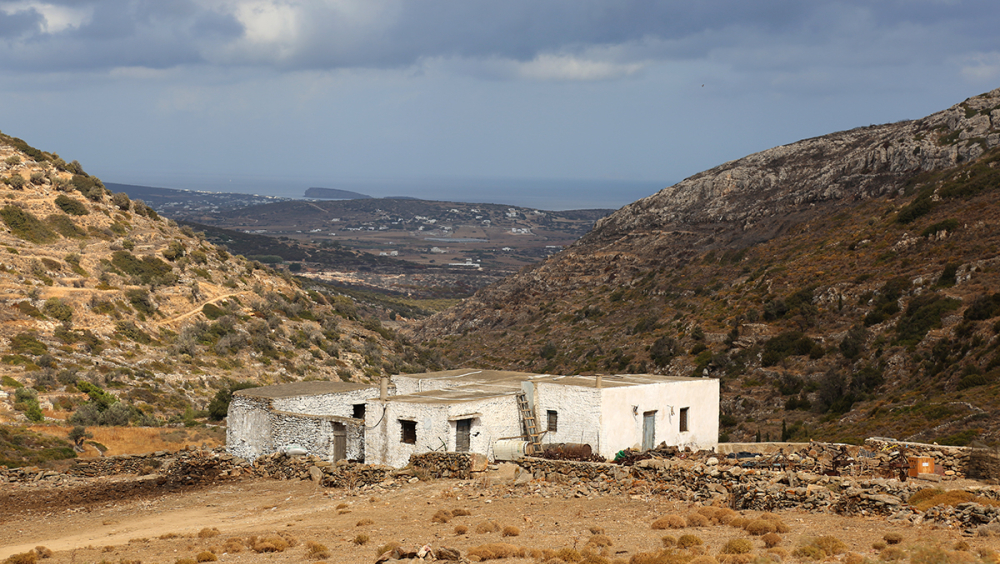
(460, 465)
(255, 428)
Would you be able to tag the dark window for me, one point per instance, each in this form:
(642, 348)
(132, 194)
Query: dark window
(553, 422)
(684, 419)
(409, 432)
(359, 411)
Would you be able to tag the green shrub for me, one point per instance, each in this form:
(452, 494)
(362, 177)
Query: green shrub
(174, 251)
(789, 343)
(57, 309)
(27, 343)
(25, 225)
(886, 304)
(121, 201)
(64, 226)
(949, 225)
(218, 408)
(141, 301)
(145, 269)
(923, 314)
(71, 206)
(131, 331)
(919, 207)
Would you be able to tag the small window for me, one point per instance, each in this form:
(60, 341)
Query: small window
(359, 411)
(684, 419)
(553, 421)
(408, 432)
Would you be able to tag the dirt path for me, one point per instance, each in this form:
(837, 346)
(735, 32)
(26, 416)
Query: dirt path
(165, 528)
(198, 307)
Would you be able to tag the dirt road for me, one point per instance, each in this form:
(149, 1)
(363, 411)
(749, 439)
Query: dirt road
(164, 527)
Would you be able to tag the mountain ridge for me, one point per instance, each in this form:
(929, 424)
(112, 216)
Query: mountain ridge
(797, 242)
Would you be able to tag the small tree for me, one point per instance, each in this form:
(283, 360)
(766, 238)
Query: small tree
(78, 435)
(121, 200)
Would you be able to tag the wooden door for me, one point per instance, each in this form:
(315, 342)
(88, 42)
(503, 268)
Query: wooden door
(339, 441)
(648, 429)
(463, 435)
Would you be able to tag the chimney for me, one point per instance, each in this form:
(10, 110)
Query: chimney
(598, 382)
(383, 389)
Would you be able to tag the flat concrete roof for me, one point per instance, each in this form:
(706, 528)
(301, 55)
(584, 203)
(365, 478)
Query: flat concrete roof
(482, 384)
(295, 389)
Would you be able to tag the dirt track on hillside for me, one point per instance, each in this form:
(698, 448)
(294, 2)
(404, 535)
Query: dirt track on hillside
(115, 522)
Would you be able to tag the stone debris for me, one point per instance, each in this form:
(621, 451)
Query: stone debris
(797, 480)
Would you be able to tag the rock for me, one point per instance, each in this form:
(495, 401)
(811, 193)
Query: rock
(315, 474)
(713, 461)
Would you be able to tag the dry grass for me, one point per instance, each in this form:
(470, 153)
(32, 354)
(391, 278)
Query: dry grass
(460, 512)
(268, 544)
(361, 539)
(487, 527)
(207, 533)
(140, 440)
(389, 546)
(206, 556)
(892, 554)
(43, 552)
(759, 527)
(510, 531)
(687, 541)
(317, 550)
(442, 516)
(364, 523)
(771, 540)
(669, 522)
(930, 497)
(697, 520)
(22, 558)
(496, 551)
(461, 529)
(233, 546)
(600, 541)
(737, 546)
(893, 538)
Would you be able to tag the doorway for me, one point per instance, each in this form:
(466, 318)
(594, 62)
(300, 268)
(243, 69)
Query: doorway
(648, 429)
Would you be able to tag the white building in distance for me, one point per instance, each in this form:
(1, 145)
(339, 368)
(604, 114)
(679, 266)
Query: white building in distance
(470, 411)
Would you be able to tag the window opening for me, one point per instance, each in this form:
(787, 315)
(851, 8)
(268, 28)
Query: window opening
(359, 411)
(553, 421)
(408, 432)
(684, 419)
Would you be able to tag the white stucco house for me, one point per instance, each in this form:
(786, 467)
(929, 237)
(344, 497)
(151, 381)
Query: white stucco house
(470, 411)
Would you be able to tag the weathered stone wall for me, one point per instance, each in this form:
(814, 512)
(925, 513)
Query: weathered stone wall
(340, 404)
(461, 465)
(248, 427)
(578, 412)
(255, 428)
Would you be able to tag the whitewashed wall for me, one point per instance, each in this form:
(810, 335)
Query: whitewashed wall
(258, 426)
(622, 411)
(578, 411)
(248, 427)
(493, 418)
(340, 404)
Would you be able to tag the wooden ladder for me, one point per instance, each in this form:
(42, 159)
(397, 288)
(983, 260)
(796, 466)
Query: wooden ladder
(530, 425)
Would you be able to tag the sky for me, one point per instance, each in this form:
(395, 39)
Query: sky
(392, 96)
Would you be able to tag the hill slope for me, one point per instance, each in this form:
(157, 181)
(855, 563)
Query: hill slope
(840, 286)
(97, 289)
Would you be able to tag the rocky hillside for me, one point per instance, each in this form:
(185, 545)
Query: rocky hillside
(99, 294)
(841, 287)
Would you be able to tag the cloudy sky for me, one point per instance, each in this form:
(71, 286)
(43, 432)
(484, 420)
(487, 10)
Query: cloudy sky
(297, 93)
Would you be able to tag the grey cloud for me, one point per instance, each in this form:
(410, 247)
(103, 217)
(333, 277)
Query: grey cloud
(402, 33)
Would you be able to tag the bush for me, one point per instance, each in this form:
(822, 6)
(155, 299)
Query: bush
(886, 305)
(145, 269)
(771, 540)
(737, 546)
(946, 225)
(687, 541)
(141, 301)
(71, 206)
(983, 307)
(789, 343)
(174, 251)
(923, 314)
(57, 309)
(26, 226)
(121, 200)
(919, 207)
(759, 527)
(893, 538)
(669, 522)
(132, 332)
(28, 343)
(64, 226)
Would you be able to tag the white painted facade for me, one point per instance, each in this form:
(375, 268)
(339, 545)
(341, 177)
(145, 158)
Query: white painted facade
(429, 412)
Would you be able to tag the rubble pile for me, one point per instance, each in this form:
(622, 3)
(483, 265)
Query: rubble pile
(34, 475)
